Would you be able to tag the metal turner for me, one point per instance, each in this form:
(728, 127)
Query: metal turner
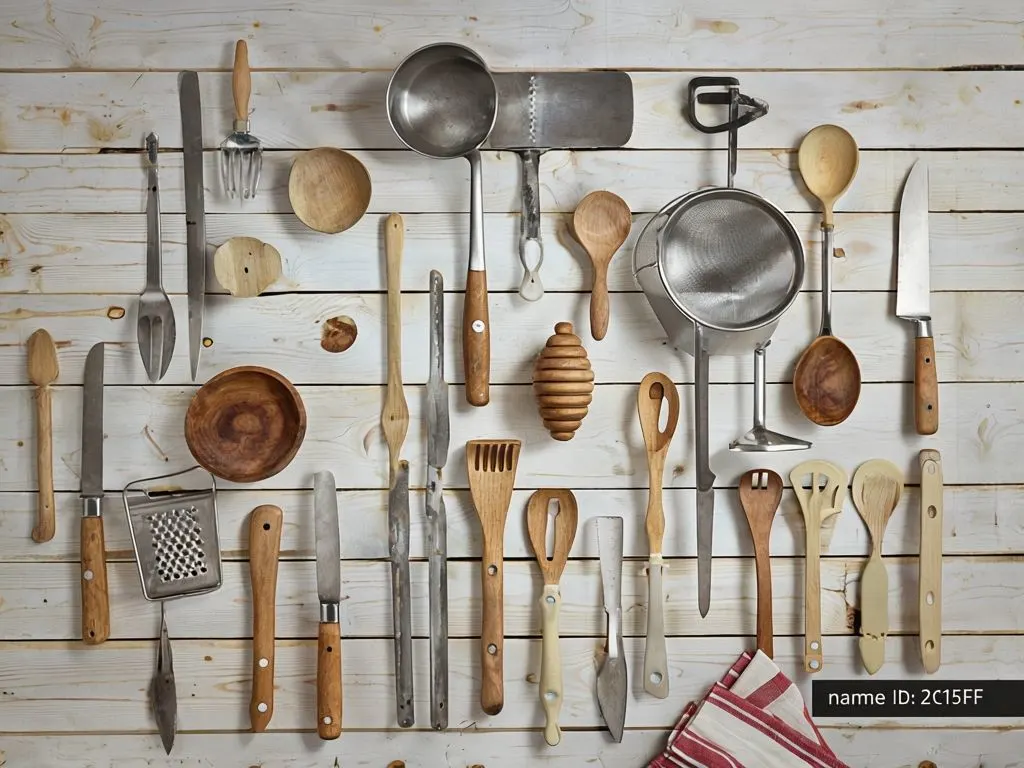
(156, 315)
(241, 155)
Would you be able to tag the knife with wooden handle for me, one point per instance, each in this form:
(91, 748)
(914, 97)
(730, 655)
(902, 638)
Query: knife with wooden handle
(328, 586)
(930, 561)
(265, 525)
(95, 601)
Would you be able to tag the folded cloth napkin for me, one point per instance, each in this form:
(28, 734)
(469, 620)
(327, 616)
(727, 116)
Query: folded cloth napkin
(754, 717)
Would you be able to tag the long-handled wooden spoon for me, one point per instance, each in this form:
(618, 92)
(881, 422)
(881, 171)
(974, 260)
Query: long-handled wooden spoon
(760, 494)
(820, 501)
(827, 377)
(656, 389)
(265, 523)
(602, 222)
(564, 518)
(877, 485)
(43, 371)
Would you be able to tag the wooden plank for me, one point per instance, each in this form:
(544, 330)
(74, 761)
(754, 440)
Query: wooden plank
(862, 747)
(41, 600)
(973, 333)
(124, 35)
(53, 689)
(974, 522)
(87, 111)
(55, 253)
(404, 181)
(979, 421)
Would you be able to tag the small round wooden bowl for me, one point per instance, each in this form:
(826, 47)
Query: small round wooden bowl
(329, 189)
(245, 424)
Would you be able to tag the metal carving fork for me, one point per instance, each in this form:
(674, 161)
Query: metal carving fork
(156, 315)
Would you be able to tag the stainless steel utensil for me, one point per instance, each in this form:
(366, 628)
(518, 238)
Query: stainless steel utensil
(612, 683)
(913, 300)
(538, 111)
(760, 438)
(328, 587)
(163, 693)
(155, 330)
(719, 267)
(95, 601)
(442, 102)
(438, 434)
(195, 211)
(241, 154)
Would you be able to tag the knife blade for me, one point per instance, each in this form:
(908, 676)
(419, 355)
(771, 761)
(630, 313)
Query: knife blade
(195, 213)
(401, 597)
(438, 437)
(913, 285)
(328, 586)
(95, 601)
(612, 683)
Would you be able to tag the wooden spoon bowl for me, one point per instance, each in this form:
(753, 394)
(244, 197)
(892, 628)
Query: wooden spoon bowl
(826, 381)
(828, 159)
(329, 189)
(245, 424)
(601, 222)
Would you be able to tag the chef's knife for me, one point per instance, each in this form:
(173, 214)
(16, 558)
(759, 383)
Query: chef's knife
(328, 585)
(438, 434)
(195, 214)
(912, 295)
(612, 684)
(95, 603)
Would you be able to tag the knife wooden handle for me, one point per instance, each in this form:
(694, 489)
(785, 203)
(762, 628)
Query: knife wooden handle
(930, 561)
(265, 525)
(241, 81)
(95, 602)
(926, 387)
(476, 339)
(328, 681)
(492, 640)
(551, 664)
(765, 630)
(874, 613)
(46, 524)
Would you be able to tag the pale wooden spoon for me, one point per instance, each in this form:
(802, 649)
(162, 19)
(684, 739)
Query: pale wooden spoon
(43, 371)
(602, 222)
(246, 266)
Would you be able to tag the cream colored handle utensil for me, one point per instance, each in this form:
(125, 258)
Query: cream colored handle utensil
(930, 561)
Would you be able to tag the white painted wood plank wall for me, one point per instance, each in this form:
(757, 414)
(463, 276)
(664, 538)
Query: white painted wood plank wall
(82, 82)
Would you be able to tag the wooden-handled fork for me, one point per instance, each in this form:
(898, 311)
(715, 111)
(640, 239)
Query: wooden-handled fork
(760, 494)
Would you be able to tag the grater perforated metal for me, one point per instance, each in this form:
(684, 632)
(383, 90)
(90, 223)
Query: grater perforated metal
(175, 537)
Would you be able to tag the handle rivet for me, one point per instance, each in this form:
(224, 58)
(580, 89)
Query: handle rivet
(656, 678)
(87, 575)
(478, 326)
(815, 645)
(815, 663)
(492, 569)
(550, 600)
(262, 706)
(492, 649)
(327, 720)
(264, 663)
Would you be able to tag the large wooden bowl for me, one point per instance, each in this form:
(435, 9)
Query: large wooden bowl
(329, 189)
(245, 424)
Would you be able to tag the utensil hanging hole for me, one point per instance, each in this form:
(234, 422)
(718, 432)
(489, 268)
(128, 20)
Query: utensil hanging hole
(550, 600)
(492, 649)
(266, 526)
(492, 569)
(927, 360)
(246, 270)
(929, 406)
(549, 532)
(656, 678)
(330, 648)
(930, 598)
(932, 511)
(929, 645)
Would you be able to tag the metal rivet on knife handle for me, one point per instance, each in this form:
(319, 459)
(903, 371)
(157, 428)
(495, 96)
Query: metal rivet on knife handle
(265, 524)
(930, 562)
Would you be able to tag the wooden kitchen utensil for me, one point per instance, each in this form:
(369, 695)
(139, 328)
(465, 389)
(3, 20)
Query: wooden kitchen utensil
(43, 370)
(246, 266)
(563, 383)
(265, 524)
(656, 389)
(492, 474)
(760, 494)
(564, 518)
(930, 561)
(822, 499)
(601, 222)
(329, 189)
(877, 486)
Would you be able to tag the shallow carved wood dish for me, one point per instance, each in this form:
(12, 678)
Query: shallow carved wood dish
(329, 189)
(245, 424)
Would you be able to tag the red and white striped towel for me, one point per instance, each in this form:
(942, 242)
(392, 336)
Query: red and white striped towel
(754, 717)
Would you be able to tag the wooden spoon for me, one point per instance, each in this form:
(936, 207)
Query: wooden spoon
(760, 494)
(602, 222)
(43, 370)
(265, 523)
(827, 377)
(246, 266)
(877, 485)
(329, 189)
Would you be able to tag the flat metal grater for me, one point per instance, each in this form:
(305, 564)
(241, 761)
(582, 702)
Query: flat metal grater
(175, 537)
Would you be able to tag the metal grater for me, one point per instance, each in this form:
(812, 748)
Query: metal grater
(175, 537)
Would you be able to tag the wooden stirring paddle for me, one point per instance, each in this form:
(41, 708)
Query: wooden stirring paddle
(43, 371)
(602, 222)
(877, 485)
(760, 494)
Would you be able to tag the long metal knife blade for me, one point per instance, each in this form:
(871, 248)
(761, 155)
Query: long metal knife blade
(92, 424)
(438, 426)
(328, 538)
(913, 284)
(195, 212)
(401, 596)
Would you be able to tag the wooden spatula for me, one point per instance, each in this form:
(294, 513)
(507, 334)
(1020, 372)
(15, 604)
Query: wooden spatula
(930, 561)
(43, 371)
(564, 518)
(265, 523)
(823, 499)
(492, 474)
(877, 485)
(760, 494)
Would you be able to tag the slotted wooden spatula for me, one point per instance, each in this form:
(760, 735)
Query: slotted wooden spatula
(492, 474)
(760, 494)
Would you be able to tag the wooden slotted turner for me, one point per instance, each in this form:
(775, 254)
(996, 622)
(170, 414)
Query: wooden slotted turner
(823, 499)
(492, 473)
(760, 494)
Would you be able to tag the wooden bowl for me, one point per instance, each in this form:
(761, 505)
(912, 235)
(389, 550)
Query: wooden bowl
(245, 424)
(329, 189)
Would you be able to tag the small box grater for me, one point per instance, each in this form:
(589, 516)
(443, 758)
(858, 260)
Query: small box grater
(174, 534)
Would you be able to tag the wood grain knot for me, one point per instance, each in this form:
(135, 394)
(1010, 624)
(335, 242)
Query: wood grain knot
(563, 383)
